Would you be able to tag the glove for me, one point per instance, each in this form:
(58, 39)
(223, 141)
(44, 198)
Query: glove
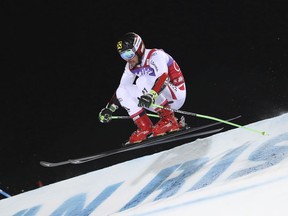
(105, 115)
(147, 100)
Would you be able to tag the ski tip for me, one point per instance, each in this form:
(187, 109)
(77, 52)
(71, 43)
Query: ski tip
(45, 164)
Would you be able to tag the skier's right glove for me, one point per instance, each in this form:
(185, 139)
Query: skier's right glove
(147, 100)
(105, 115)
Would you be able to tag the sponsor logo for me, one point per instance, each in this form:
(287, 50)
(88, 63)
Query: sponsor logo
(171, 180)
(151, 62)
(119, 45)
(144, 71)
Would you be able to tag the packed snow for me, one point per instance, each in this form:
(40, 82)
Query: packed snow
(236, 172)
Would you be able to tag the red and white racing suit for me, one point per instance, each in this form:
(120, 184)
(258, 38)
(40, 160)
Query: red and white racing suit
(157, 71)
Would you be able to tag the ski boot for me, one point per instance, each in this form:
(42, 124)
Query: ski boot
(167, 123)
(144, 125)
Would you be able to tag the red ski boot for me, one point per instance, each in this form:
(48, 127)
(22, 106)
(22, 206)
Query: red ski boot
(144, 125)
(167, 123)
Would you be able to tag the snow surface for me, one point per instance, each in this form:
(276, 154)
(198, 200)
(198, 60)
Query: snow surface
(237, 172)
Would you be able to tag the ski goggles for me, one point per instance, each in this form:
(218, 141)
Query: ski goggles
(127, 54)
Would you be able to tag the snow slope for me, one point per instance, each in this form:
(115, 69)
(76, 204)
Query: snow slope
(237, 172)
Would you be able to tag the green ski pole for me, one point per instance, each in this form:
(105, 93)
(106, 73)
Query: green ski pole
(211, 118)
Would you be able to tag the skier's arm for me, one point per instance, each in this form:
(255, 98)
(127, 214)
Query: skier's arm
(158, 62)
(159, 83)
(105, 114)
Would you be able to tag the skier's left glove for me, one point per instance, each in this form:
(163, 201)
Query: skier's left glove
(105, 115)
(147, 100)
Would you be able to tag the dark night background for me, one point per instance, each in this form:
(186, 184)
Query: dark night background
(59, 67)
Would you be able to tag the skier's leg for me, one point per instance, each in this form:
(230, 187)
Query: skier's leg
(127, 97)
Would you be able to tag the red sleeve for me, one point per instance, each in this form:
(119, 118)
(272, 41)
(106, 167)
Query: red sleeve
(159, 83)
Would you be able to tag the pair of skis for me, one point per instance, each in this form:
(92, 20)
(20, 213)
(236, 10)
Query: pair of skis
(185, 133)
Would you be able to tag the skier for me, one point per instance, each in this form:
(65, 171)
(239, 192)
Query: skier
(151, 76)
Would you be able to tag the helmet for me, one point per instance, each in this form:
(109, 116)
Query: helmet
(129, 45)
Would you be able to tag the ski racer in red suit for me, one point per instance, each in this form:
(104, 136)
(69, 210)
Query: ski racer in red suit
(151, 76)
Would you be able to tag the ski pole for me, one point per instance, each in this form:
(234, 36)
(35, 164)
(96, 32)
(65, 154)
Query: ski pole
(4, 193)
(128, 117)
(211, 118)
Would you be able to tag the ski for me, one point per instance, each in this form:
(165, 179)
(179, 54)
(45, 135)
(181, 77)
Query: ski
(143, 145)
(174, 136)
(129, 148)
